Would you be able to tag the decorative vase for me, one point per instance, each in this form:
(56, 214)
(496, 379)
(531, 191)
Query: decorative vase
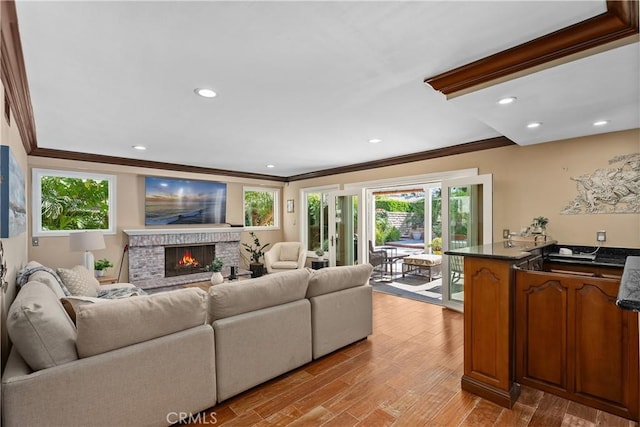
(99, 273)
(216, 278)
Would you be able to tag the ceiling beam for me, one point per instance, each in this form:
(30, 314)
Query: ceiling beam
(618, 22)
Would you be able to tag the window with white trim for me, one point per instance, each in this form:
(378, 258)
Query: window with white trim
(261, 208)
(65, 201)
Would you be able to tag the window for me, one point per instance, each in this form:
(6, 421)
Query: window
(314, 217)
(317, 224)
(72, 201)
(261, 208)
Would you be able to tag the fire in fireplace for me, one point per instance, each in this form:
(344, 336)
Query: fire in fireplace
(180, 260)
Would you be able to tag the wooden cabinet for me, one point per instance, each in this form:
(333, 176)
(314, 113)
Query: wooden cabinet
(488, 330)
(572, 340)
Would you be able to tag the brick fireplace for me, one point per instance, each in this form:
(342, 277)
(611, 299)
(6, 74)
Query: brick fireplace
(148, 257)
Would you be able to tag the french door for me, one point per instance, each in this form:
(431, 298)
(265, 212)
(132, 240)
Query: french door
(467, 205)
(344, 227)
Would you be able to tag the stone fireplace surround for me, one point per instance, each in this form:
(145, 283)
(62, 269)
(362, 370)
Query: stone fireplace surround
(146, 253)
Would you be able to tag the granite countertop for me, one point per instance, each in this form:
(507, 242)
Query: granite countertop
(629, 292)
(501, 250)
(601, 256)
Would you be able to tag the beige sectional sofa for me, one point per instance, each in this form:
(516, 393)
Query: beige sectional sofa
(143, 360)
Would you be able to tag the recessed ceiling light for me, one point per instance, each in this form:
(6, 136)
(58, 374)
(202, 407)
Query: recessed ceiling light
(507, 100)
(139, 147)
(206, 93)
(271, 166)
(375, 141)
(534, 125)
(601, 122)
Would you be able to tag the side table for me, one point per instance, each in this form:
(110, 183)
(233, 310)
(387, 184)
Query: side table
(317, 265)
(106, 280)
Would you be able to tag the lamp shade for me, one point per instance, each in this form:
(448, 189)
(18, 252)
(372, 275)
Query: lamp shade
(86, 241)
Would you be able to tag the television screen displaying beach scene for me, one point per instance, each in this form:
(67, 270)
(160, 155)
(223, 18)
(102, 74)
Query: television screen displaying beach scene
(170, 201)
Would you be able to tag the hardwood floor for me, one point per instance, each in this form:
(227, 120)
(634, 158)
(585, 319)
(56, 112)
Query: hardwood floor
(406, 374)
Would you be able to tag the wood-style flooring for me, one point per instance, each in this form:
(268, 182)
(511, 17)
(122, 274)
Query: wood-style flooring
(406, 374)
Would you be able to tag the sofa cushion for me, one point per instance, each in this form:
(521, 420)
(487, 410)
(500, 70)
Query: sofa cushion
(230, 299)
(283, 265)
(39, 327)
(34, 271)
(334, 279)
(289, 251)
(122, 322)
(79, 281)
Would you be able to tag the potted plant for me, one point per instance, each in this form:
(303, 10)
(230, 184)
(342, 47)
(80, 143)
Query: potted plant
(101, 265)
(436, 245)
(215, 267)
(256, 251)
(540, 225)
(415, 221)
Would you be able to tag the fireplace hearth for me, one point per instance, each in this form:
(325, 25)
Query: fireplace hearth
(187, 259)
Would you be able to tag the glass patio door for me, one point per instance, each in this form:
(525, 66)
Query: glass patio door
(344, 227)
(466, 221)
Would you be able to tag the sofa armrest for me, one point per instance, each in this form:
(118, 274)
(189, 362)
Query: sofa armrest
(142, 384)
(334, 279)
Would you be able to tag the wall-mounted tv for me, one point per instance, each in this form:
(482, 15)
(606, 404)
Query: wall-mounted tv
(171, 201)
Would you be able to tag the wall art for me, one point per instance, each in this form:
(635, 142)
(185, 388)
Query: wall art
(613, 190)
(13, 207)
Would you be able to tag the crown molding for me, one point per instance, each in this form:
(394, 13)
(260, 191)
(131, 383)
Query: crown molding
(123, 161)
(14, 75)
(618, 22)
(469, 147)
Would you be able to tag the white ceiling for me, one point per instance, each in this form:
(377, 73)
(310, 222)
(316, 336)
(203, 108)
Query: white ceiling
(301, 85)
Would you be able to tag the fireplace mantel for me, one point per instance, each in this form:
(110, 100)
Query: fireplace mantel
(152, 231)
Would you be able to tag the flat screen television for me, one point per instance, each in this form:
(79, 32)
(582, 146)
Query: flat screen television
(170, 201)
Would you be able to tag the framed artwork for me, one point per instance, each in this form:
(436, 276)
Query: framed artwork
(13, 207)
(290, 207)
(184, 201)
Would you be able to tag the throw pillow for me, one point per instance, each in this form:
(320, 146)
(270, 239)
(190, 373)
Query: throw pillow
(289, 252)
(79, 281)
(40, 329)
(71, 304)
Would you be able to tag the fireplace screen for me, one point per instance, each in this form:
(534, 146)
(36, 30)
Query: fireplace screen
(180, 260)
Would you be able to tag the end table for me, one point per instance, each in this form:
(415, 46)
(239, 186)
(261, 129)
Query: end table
(321, 263)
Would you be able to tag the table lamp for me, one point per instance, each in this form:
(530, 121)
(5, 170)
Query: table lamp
(87, 241)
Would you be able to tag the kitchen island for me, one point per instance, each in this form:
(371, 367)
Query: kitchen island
(551, 322)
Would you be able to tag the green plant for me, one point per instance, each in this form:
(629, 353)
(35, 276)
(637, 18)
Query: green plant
(215, 265)
(436, 244)
(385, 232)
(391, 205)
(102, 264)
(541, 220)
(255, 249)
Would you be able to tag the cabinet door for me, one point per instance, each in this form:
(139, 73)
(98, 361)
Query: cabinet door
(573, 341)
(606, 343)
(542, 307)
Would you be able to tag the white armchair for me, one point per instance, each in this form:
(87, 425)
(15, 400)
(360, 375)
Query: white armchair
(285, 256)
